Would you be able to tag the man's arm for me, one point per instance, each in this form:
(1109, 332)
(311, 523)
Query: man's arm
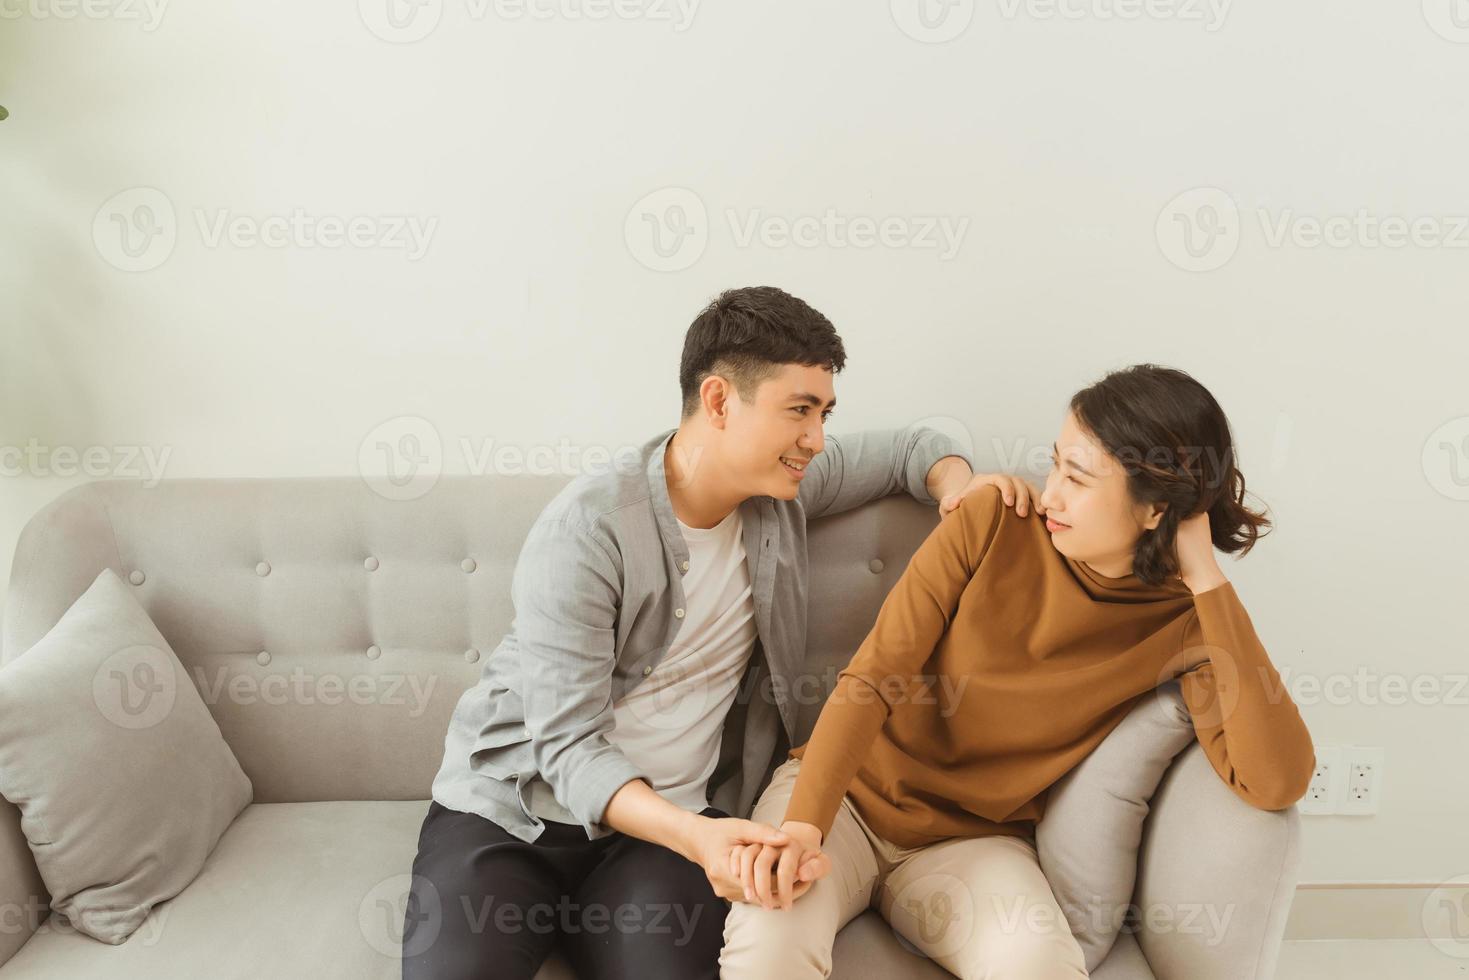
(566, 591)
(638, 811)
(860, 467)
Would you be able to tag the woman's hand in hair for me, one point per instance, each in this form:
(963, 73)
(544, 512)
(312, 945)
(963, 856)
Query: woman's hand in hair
(1197, 565)
(1016, 492)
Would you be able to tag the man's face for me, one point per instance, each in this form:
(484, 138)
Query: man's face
(769, 440)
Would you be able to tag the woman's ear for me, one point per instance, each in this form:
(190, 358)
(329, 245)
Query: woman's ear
(1154, 514)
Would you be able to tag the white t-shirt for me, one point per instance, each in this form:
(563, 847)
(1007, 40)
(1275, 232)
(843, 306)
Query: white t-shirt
(670, 725)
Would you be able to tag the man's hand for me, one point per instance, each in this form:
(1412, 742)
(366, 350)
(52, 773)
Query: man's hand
(710, 841)
(638, 811)
(1014, 490)
(778, 875)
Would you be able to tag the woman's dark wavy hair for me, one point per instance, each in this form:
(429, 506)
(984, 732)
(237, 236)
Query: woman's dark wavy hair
(1174, 443)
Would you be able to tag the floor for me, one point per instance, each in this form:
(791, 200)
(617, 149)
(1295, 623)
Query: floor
(1374, 959)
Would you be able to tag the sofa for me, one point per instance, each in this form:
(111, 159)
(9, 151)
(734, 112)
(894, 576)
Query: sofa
(331, 630)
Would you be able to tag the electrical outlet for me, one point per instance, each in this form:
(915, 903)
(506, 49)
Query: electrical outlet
(1364, 780)
(1347, 780)
(1325, 791)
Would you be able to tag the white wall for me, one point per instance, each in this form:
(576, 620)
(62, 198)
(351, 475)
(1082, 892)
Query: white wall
(533, 317)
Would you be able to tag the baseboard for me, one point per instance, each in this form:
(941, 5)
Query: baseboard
(1382, 910)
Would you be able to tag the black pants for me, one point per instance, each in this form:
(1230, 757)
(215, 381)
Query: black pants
(484, 903)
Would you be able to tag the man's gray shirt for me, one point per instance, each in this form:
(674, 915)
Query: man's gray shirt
(598, 599)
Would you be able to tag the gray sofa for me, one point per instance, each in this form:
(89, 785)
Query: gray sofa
(331, 630)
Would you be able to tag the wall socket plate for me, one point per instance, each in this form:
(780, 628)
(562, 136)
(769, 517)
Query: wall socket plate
(1320, 797)
(1347, 781)
(1363, 779)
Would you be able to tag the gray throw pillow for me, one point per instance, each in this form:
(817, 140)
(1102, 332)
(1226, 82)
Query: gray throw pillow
(1092, 827)
(123, 780)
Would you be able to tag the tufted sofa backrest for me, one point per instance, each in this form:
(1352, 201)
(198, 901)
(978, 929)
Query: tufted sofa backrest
(331, 630)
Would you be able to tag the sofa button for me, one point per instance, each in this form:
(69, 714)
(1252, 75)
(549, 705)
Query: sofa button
(262, 569)
(468, 564)
(683, 565)
(374, 651)
(647, 670)
(370, 564)
(136, 576)
(875, 566)
(678, 613)
(262, 658)
(471, 655)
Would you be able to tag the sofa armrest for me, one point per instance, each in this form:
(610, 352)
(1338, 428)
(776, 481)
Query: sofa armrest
(24, 901)
(61, 550)
(1216, 878)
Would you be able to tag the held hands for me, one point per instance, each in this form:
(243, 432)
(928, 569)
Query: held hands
(775, 875)
(713, 840)
(1014, 490)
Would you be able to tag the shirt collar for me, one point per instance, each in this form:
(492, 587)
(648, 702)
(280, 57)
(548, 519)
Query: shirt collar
(658, 493)
(752, 508)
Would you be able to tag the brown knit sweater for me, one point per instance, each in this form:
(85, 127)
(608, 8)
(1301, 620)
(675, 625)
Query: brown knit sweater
(997, 664)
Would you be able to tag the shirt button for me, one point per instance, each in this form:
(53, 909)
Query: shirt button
(647, 671)
(678, 613)
(683, 565)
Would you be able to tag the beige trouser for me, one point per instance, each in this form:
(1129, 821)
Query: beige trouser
(979, 906)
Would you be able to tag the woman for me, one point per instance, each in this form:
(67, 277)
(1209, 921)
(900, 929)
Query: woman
(1045, 630)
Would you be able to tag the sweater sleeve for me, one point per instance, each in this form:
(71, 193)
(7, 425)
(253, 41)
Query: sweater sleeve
(1247, 723)
(909, 625)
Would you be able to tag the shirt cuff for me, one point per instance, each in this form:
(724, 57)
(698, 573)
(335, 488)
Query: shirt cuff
(930, 447)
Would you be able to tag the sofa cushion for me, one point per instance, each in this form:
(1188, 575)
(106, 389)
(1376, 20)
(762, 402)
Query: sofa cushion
(1091, 831)
(319, 890)
(123, 779)
(291, 890)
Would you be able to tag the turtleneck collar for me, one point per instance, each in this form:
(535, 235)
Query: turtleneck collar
(1127, 588)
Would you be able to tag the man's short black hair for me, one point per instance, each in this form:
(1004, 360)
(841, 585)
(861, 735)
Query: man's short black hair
(747, 335)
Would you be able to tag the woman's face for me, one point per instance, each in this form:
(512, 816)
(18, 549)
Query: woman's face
(1089, 511)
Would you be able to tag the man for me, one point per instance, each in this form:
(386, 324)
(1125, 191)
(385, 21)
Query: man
(588, 778)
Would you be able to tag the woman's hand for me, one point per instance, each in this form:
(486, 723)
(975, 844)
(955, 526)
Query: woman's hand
(1194, 546)
(778, 875)
(710, 841)
(1014, 490)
